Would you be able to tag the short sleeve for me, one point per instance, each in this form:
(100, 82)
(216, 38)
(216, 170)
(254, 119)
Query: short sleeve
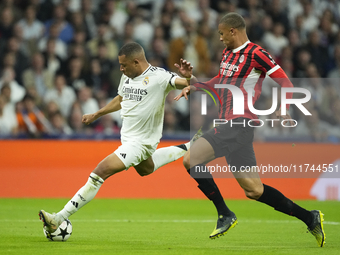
(167, 78)
(265, 62)
(120, 87)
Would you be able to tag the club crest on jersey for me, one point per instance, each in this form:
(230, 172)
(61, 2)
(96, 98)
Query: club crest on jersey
(241, 58)
(146, 81)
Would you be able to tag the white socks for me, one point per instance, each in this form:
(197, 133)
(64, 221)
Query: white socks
(160, 158)
(83, 196)
(166, 155)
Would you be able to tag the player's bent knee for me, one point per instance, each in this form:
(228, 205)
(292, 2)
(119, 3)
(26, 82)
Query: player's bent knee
(145, 172)
(254, 194)
(104, 174)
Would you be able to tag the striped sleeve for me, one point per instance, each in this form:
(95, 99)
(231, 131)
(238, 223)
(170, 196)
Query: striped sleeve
(265, 62)
(282, 79)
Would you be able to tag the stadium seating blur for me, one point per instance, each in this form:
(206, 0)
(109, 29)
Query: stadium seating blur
(58, 61)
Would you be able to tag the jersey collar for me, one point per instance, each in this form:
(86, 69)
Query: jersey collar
(241, 47)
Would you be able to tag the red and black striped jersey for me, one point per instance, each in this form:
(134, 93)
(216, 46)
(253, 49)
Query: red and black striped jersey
(245, 67)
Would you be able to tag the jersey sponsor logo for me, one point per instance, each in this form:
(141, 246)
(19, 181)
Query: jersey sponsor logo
(230, 67)
(146, 81)
(131, 93)
(227, 69)
(123, 155)
(133, 90)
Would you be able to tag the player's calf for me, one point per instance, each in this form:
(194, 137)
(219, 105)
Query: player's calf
(186, 160)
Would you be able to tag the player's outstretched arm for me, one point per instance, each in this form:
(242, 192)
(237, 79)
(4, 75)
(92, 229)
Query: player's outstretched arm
(182, 83)
(280, 77)
(185, 69)
(112, 106)
(185, 92)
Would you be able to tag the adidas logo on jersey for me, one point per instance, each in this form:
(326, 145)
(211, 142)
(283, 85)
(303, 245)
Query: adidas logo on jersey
(123, 155)
(127, 81)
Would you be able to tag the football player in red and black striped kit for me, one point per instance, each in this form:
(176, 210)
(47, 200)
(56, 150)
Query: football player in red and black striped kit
(244, 64)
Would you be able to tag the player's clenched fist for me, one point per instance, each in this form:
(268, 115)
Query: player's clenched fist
(88, 118)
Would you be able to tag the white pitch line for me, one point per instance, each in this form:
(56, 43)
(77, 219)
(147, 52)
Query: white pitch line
(172, 221)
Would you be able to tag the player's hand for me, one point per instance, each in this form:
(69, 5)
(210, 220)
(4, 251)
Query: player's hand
(88, 118)
(185, 92)
(184, 68)
(286, 118)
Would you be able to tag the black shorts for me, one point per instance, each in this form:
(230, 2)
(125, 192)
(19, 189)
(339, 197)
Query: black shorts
(235, 143)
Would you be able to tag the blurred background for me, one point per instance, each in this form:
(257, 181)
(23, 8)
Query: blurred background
(58, 60)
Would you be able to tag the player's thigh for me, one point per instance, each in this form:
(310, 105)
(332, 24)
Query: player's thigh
(134, 154)
(216, 142)
(109, 166)
(201, 152)
(145, 167)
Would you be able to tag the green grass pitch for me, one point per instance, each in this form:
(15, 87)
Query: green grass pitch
(155, 226)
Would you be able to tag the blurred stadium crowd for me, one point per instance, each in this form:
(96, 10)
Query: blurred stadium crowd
(58, 59)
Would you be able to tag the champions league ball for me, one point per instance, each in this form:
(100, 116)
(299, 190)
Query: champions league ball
(63, 232)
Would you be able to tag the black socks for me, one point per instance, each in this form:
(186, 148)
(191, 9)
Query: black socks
(270, 196)
(209, 188)
(279, 202)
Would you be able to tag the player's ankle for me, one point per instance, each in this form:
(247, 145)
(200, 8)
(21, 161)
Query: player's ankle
(59, 217)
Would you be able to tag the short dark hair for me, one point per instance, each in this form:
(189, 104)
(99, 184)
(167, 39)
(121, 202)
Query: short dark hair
(233, 20)
(131, 49)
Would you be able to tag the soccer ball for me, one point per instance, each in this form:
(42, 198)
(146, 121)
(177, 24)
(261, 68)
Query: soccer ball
(63, 232)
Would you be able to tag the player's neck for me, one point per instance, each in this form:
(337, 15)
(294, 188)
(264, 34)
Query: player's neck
(143, 67)
(240, 40)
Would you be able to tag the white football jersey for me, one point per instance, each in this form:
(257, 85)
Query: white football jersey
(143, 104)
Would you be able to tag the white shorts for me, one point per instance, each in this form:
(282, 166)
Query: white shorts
(132, 153)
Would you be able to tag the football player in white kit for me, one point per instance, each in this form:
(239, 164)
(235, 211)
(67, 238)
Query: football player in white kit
(141, 95)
